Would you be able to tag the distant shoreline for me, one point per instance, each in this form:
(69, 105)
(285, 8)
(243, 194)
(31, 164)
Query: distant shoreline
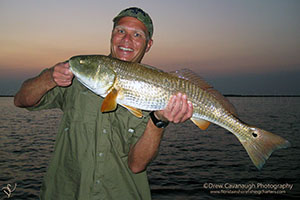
(233, 95)
(261, 95)
(6, 95)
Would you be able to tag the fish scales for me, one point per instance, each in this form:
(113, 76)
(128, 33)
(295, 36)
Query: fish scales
(157, 93)
(137, 86)
(138, 90)
(133, 81)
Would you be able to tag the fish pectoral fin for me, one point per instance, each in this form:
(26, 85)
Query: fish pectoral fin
(110, 101)
(201, 123)
(136, 112)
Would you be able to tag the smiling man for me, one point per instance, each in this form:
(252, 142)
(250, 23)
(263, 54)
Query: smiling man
(130, 40)
(101, 155)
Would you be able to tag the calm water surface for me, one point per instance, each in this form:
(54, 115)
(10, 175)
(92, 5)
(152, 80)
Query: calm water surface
(192, 164)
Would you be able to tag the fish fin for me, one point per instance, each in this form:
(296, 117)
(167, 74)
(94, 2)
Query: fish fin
(151, 67)
(110, 101)
(223, 101)
(191, 76)
(201, 123)
(136, 112)
(261, 145)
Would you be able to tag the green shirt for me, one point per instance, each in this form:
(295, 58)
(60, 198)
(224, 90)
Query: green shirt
(91, 149)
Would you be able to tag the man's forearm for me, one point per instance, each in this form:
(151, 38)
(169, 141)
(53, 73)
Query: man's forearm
(146, 148)
(32, 90)
(178, 110)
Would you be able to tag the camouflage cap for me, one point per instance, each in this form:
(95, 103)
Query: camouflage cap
(139, 14)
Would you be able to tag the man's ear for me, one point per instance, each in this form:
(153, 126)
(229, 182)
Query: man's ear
(149, 45)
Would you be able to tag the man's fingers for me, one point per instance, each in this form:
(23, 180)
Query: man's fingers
(171, 103)
(178, 104)
(180, 109)
(63, 68)
(67, 70)
(189, 112)
(62, 76)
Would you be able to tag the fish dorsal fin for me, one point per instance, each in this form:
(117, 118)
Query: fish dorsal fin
(110, 101)
(201, 123)
(223, 100)
(136, 112)
(191, 76)
(151, 67)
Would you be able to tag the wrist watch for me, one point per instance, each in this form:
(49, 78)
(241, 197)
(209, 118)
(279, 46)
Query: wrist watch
(158, 123)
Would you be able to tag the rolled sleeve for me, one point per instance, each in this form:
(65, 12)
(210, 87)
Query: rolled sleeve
(52, 99)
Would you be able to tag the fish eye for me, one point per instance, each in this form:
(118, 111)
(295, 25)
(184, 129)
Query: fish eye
(254, 134)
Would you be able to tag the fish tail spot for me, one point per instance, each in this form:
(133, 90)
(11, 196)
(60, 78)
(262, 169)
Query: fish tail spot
(262, 144)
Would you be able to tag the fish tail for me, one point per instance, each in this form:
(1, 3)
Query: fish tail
(261, 144)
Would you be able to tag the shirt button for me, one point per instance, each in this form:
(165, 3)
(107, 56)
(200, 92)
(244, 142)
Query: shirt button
(101, 154)
(131, 130)
(97, 181)
(104, 131)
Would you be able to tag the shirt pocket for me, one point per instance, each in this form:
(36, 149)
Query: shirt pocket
(83, 105)
(126, 129)
(76, 138)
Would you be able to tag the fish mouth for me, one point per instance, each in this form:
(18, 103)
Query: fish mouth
(126, 49)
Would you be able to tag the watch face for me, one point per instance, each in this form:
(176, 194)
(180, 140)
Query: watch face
(161, 124)
(158, 123)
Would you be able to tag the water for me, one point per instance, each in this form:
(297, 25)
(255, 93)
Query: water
(192, 164)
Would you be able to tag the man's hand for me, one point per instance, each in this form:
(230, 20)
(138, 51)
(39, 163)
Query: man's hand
(61, 74)
(33, 89)
(178, 110)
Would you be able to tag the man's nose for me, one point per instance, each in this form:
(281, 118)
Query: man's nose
(127, 37)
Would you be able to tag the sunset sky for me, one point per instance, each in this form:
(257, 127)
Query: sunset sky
(239, 46)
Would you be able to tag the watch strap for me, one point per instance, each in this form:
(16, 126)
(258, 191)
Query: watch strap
(158, 123)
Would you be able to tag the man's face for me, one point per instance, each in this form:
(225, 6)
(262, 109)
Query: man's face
(129, 40)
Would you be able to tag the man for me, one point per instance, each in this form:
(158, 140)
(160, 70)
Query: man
(101, 155)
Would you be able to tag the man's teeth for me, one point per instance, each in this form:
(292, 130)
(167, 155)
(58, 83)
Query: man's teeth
(125, 49)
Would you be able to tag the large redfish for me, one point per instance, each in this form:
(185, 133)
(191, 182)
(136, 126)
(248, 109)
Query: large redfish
(140, 87)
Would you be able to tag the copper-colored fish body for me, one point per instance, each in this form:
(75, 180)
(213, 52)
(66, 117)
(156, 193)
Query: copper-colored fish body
(140, 87)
